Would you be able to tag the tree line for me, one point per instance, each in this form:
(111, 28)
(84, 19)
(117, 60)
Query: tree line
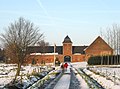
(112, 37)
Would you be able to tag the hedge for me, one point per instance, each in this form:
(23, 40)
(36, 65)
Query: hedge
(104, 60)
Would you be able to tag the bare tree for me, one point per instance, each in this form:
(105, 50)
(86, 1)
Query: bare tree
(112, 37)
(17, 37)
(43, 43)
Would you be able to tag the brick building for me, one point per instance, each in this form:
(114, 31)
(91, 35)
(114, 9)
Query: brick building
(68, 52)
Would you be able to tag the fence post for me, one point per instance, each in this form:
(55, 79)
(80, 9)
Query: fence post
(106, 72)
(114, 77)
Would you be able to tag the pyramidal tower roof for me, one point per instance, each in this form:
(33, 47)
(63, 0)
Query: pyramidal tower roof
(67, 40)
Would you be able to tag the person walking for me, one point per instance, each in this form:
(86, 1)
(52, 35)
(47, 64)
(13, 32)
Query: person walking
(62, 67)
(65, 66)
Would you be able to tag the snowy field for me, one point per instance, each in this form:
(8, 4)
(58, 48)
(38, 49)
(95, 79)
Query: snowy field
(108, 72)
(108, 77)
(79, 64)
(8, 71)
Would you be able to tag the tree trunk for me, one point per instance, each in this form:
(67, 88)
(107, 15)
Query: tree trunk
(17, 72)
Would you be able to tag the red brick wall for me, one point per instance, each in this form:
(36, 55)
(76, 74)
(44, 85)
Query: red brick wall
(50, 58)
(99, 47)
(67, 48)
(78, 58)
(60, 57)
(40, 58)
(46, 58)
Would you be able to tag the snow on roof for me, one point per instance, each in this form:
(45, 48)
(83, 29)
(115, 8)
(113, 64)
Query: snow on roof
(44, 54)
(77, 54)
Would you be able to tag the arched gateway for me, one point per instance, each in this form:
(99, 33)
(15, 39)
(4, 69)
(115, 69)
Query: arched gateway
(67, 59)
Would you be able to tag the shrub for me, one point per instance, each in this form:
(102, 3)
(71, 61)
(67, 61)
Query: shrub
(104, 60)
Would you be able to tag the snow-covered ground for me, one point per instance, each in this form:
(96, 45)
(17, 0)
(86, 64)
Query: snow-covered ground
(107, 73)
(83, 84)
(77, 65)
(8, 71)
(104, 75)
(63, 83)
(104, 80)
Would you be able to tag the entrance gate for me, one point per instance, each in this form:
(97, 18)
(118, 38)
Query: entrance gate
(67, 59)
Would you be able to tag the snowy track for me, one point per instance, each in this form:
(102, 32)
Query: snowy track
(71, 80)
(91, 82)
(74, 82)
(68, 81)
(64, 82)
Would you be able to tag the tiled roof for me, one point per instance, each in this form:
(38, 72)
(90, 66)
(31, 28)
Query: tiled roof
(46, 49)
(78, 49)
(67, 40)
(59, 49)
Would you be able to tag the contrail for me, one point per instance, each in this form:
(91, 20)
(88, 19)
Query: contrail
(45, 11)
(40, 4)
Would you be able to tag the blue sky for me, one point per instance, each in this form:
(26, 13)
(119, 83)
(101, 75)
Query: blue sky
(80, 19)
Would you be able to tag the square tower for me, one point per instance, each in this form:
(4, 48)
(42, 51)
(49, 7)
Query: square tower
(67, 46)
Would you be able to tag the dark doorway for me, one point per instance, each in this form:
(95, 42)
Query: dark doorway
(67, 59)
